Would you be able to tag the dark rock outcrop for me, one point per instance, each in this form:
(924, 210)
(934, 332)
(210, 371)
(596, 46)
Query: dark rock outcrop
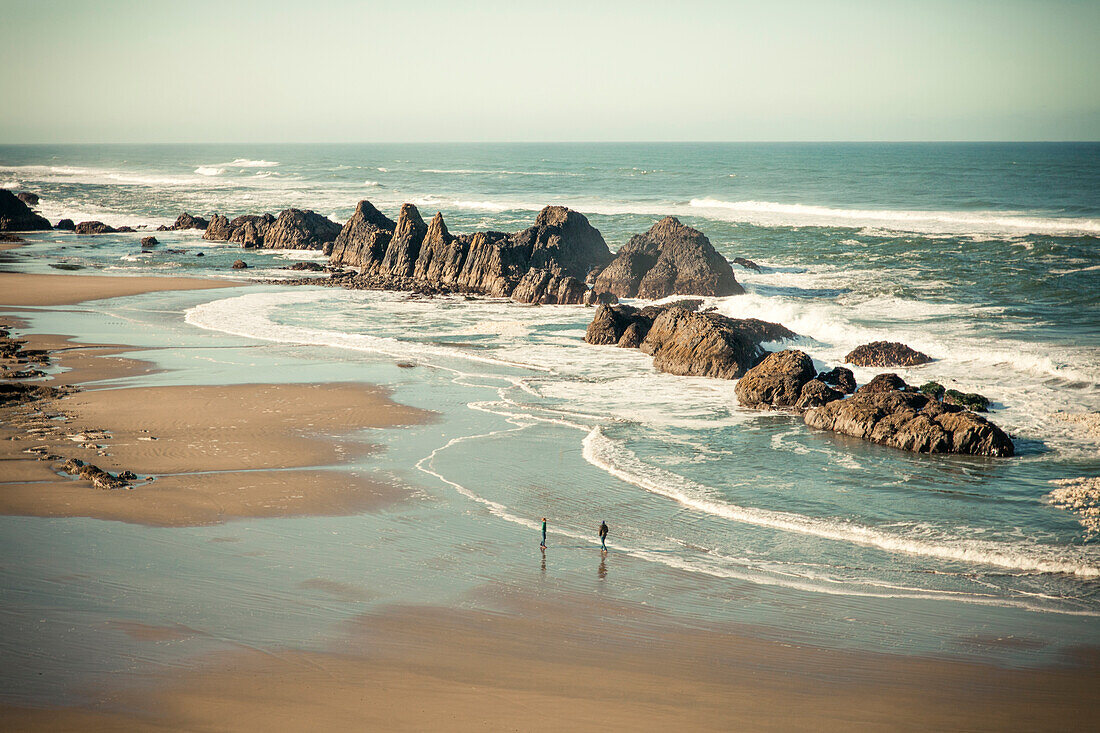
(777, 381)
(970, 400)
(886, 354)
(816, 393)
(66, 225)
(185, 221)
(668, 259)
(907, 419)
(839, 378)
(100, 479)
(15, 216)
(542, 264)
(297, 229)
(307, 266)
(747, 264)
(708, 344)
(888, 382)
(149, 241)
(239, 265)
(30, 199)
(248, 230)
(94, 227)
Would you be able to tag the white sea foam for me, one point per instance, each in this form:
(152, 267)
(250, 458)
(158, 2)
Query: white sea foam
(371, 184)
(770, 213)
(209, 170)
(603, 452)
(246, 163)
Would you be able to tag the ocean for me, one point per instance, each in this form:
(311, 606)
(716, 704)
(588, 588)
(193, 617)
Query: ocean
(984, 256)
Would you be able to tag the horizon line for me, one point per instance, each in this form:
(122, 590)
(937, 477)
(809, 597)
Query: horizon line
(555, 142)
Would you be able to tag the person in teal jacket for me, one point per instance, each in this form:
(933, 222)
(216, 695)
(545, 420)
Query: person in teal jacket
(543, 532)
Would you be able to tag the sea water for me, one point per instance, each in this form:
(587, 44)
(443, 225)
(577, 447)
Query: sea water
(984, 256)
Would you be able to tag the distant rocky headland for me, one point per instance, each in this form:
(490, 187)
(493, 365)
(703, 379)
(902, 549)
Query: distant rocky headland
(562, 259)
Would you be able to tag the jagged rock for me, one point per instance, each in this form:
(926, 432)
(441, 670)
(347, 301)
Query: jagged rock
(708, 344)
(404, 247)
(239, 265)
(610, 323)
(149, 241)
(777, 381)
(668, 259)
(886, 354)
(911, 421)
(840, 378)
(816, 393)
(125, 229)
(297, 229)
(66, 225)
(73, 466)
(888, 382)
(16, 217)
(969, 400)
(101, 479)
(30, 199)
(564, 242)
(747, 264)
(634, 335)
(542, 286)
(13, 393)
(363, 239)
(591, 297)
(186, 221)
(248, 230)
(94, 227)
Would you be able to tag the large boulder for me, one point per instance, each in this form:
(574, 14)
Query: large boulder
(564, 242)
(186, 221)
(913, 421)
(30, 199)
(777, 381)
(94, 227)
(298, 229)
(688, 343)
(886, 354)
(544, 287)
(611, 322)
(15, 216)
(65, 225)
(669, 259)
(248, 230)
(816, 393)
(888, 382)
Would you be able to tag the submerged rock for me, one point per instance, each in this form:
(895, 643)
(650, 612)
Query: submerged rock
(94, 227)
(149, 241)
(15, 216)
(747, 264)
(669, 259)
(886, 354)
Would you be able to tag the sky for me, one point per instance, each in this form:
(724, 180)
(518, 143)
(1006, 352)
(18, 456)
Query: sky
(341, 71)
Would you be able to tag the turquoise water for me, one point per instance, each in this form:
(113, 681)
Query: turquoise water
(983, 256)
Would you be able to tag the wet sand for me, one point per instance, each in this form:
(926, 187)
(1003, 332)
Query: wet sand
(18, 289)
(576, 664)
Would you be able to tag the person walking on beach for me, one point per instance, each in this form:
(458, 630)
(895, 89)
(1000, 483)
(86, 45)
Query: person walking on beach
(603, 535)
(543, 545)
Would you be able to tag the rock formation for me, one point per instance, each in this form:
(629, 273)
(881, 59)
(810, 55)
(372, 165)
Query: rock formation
(777, 381)
(747, 264)
(297, 229)
(149, 241)
(94, 227)
(248, 230)
(239, 265)
(683, 341)
(839, 378)
(669, 259)
(16, 217)
(185, 221)
(542, 264)
(907, 419)
(30, 199)
(885, 354)
(969, 400)
(66, 225)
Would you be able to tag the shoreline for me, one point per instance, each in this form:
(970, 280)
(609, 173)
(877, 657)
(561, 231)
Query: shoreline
(214, 453)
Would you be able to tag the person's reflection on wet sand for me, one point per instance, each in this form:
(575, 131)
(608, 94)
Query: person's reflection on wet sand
(602, 572)
(543, 560)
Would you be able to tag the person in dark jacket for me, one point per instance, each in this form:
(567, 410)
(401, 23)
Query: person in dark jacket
(603, 535)
(543, 532)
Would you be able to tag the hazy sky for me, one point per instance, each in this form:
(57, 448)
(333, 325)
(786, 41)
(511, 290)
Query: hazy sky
(327, 70)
